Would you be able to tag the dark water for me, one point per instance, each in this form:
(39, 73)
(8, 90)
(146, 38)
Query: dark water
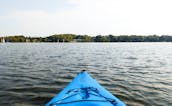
(140, 74)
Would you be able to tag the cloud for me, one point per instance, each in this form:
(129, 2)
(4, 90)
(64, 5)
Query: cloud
(92, 17)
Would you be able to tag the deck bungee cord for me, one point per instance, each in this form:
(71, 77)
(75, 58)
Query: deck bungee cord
(84, 93)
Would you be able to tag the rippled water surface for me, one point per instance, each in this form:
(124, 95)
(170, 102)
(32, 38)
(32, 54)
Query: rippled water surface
(140, 74)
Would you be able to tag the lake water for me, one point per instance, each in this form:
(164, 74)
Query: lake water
(140, 74)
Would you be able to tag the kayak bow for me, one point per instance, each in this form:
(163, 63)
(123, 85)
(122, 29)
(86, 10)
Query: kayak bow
(84, 91)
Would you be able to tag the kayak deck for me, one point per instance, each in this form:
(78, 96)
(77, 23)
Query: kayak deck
(83, 90)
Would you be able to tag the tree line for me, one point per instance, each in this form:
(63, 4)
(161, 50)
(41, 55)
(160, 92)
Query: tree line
(87, 38)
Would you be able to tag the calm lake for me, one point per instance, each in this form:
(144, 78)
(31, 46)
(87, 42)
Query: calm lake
(140, 74)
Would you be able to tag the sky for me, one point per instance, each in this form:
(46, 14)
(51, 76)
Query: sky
(91, 17)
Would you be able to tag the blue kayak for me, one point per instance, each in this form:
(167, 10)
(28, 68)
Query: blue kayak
(84, 91)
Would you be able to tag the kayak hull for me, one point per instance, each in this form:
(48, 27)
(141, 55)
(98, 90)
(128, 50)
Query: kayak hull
(83, 90)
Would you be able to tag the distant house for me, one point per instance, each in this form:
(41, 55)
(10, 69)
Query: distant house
(77, 40)
(3, 40)
(27, 40)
